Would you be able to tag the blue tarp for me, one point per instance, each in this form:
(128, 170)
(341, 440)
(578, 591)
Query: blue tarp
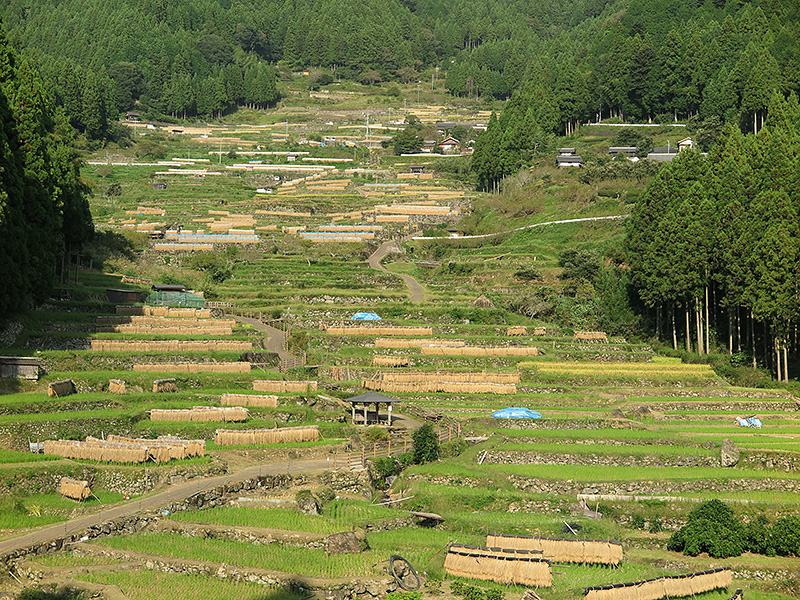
(749, 422)
(515, 412)
(365, 316)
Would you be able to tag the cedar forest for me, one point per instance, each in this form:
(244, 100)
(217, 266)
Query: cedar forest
(712, 246)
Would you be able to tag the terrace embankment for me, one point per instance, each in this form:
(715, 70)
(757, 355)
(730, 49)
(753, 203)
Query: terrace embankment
(771, 461)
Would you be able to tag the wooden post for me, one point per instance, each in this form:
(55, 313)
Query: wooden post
(374, 449)
(389, 448)
(363, 456)
(405, 444)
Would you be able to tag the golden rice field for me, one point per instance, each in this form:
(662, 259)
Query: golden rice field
(656, 368)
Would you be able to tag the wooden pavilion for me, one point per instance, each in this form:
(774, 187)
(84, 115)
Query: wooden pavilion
(370, 407)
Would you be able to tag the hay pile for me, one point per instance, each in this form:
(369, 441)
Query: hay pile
(233, 367)
(448, 382)
(169, 345)
(137, 280)
(604, 552)
(108, 451)
(233, 414)
(591, 336)
(163, 311)
(146, 210)
(280, 386)
(177, 448)
(178, 329)
(389, 361)
(677, 586)
(232, 437)
(164, 386)
(483, 302)
(480, 351)
(249, 400)
(117, 386)
(384, 330)
(496, 564)
(517, 330)
(418, 343)
(183, 322)
(539, 331)
(65, 387)
(74, 488)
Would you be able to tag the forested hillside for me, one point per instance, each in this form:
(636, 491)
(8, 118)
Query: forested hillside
(630, 58)
(714, 244)
(43, 207)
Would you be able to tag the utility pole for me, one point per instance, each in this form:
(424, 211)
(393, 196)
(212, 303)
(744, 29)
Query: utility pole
(418, 82)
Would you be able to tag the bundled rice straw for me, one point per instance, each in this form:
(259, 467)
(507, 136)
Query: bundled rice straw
(75, 489)
(201, 414)
(605, 552)
(497, 565)
(165, 446)
(249, 400)
(117, 386)
(169, 345)
(231, 437)
(540, 331)
(163, 311)
(677, 586)
(591, 336)
(440, 386)
(452, 376)
(233, 367)
(281, 387)
(164, 386)
(390, 361)
(331, 330)
(517, 330)
(417, 343)
(480, 351)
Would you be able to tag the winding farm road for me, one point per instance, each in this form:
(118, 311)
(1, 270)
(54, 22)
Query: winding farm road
(489, 235)
(174, 493)
(417, 291)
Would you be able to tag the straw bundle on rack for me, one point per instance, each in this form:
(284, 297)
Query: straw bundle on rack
(605, 552)
(499, 566)
(390, 361)
(249, 400)
(391, 219)
(234, 367)
(678, 586)
(163, 311)
(331, 330)
(177, 448)
(417, 343)
(591, 336)
(280, 386)
(412, 209)
(170, 345)
(164, 386)
(117, 386)
(539, 331)
(97, 450)
(146, 210)
(161, 322)
(136, 280)
(232, 414)
(65, 387)
(176, 329)
(232, 437)
(452, 376)
(75, 489)
(517, 330)
(480, 351)
(440, 386)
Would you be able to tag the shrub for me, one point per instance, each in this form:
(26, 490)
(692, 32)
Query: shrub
(404, 596)
(42, 594)
(637, 522)
(426, 444)
(786, 536)
(656, 525)
(712, 528)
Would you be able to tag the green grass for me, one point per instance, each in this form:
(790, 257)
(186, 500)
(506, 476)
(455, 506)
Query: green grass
(288, 519)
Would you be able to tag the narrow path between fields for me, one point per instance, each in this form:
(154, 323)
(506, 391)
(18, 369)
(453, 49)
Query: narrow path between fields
(275, 337)
(417, 291)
